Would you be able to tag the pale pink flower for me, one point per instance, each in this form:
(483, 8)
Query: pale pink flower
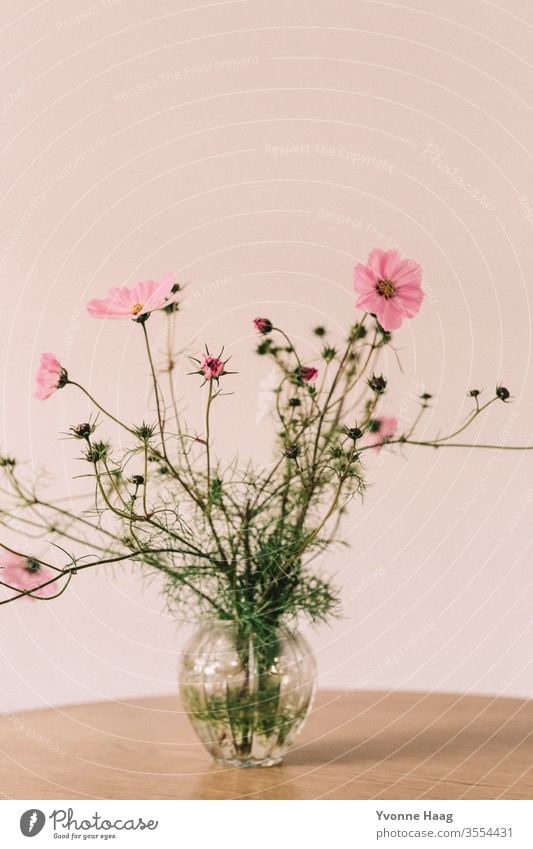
(212, 367)
(389, 286)
(386, 429)
(307, 373)
(122, 302)
(25, 573)
(50, 376)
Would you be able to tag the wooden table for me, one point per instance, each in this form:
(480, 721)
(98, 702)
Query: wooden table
(356, 745)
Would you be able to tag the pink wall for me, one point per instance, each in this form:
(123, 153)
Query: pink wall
(258, 149)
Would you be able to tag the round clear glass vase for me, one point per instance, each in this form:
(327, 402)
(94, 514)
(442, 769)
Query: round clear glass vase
(246, 697)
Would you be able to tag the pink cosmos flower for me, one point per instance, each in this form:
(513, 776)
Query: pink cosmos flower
(50, 376)
(263, 325)
(386, 429)
(25, 573)
(143, 298)
(212, 367)
(389, 286)
(307, 373)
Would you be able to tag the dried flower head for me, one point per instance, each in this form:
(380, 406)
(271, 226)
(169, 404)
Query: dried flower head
(292, 451)
(82, 431)
(377, 384)
(144, 431)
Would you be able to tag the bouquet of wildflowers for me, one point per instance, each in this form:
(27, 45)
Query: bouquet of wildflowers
(236, 542)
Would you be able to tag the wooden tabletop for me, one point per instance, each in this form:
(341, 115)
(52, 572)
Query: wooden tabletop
(356, 745)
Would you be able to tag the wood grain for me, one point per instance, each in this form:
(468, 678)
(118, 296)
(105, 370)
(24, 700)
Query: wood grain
(356, 745)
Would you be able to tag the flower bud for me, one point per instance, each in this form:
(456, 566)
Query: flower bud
(212, 367)
(329, 353)
(358, 331)
(263, 325)
(265, 347)
(174, 305)
(138, 480)
(144, 431)
(307, 373)
(354, 433)
(98, 452)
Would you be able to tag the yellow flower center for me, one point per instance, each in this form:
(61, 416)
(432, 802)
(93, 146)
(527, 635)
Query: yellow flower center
(136, 308)
(386, 288)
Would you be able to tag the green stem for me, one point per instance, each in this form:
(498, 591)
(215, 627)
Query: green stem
(99, 406)
(156, 389)
(114, 484)
(71, 570)
(145, 484)
(468, 422)
(207, 445)
(25, 556)
(416, 421)
(439, 444)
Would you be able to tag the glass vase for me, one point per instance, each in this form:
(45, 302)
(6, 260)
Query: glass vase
(246, 697)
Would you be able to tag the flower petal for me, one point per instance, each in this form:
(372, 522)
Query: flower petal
(119, 301)
(390, 313)
(370, 301)
(116, 304)
(48, 376)
(15, 573)
(390, 262)
(408, 272)
(375, 262)
(365, 278)
(410, 297)
(158, 293)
